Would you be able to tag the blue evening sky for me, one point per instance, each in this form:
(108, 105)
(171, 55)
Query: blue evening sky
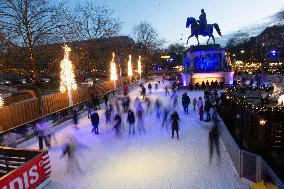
(168, 17)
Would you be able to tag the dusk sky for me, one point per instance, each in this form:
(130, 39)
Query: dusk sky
(168, 17)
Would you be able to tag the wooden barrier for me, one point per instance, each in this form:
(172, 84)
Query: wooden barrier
(28, 110)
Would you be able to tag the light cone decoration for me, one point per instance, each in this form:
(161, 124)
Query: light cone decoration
(139, 67)
(1, 102)
(113, 74)
(67, 75)
(129, 66)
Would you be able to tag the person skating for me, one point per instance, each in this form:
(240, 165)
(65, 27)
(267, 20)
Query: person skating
(89, 108)
(194, 103)
(108, 114)
(75, 118)
(131, 121)
(69, 149)
(140, 120)
(41, 129)
(200, 108)
(213, 106)
(166, 90)
(143, 92)
(185, 102)
(156, 86)
(158, 108)
(150, 88)
(117, 124)
(207, 107)
(175, 126)
(106, 99)
(214, 140)
(166, 112)
(95, 119)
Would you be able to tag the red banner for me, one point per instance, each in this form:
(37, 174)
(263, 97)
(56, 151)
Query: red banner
(29, 175)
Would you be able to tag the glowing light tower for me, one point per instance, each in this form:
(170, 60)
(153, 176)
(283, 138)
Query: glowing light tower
(113, 74)
(67, 75)
(1, 102)
(129, 66)
(139, 68)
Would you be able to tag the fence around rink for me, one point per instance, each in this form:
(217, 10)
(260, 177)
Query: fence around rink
(248, 165)
(21, 168)
(25, 131)
(27, 110)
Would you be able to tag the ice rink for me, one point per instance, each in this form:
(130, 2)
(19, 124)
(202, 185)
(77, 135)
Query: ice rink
(152, 161)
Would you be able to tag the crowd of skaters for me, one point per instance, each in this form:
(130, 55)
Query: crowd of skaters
(142, 107)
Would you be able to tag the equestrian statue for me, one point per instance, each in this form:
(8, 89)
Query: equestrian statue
(200, 27)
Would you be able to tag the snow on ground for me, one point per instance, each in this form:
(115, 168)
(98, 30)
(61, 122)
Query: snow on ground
(151, 160)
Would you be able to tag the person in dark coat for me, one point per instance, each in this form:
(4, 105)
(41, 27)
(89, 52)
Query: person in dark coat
(131, 121)
(207, 107)
(214, 140)
(117, 124)
(150, 88)
(106, 99)
(143, 92)
(96, 102)
(185, 102)
(108, 114)
(89, 108)
(95, 119)
(175, 126)
(75, 118)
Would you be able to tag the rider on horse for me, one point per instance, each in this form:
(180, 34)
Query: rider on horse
(203, 22)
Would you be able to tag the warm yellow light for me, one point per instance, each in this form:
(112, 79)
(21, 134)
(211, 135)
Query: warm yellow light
(262, 122)
(1, 102)
(139, 65)
(165, 57)
(67, 74)
(113, 75)
(130, 73)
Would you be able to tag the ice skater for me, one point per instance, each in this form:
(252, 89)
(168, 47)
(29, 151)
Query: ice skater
(200, 108)
(117, 124)
(185, 102)
(150, 88)
(41, 129)
(69, 149)
(158, 107)
(131, 121)
(156, 86)
(95, 119)
(140, 119)
(207, 107)
(166, 112)
(214, 141)
(108, 114)
(166, 90)
(75, 118)
(148, 105)
(175, 126)
(194, 103)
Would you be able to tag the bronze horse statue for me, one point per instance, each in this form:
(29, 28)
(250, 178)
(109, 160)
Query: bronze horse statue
(196, 31)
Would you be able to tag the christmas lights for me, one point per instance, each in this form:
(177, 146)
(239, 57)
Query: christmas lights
(113, 74)
(129, 66)
(139, 67)
(1, 102)
(67, 75)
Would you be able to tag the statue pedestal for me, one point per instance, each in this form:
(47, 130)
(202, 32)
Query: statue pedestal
(206, 62)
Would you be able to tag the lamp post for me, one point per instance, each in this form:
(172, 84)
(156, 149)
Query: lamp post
(113, 75)
(129, 66)
(139, 68)
(67, 75)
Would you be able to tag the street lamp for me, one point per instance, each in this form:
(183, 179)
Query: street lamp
(130, 73)
(67, 75)
(242, 51)
(139, 68)
(113, 75)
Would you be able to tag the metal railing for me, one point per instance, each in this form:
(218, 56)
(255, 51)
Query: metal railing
(248, 165)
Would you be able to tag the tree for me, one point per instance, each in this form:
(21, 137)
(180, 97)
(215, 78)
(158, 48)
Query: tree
(238, 39)
(95, 22)
(279, 16)
(176, 48)
(146, 35)
(29, 23)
